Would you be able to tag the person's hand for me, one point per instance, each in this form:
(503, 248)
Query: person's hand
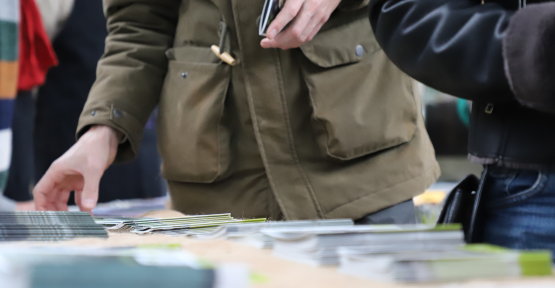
(25, 206)
(79, 170)
(308, 17)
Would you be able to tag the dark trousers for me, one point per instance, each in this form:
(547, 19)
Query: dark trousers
(21, 176)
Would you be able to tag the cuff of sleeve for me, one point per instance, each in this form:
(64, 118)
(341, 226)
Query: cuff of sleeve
(7, 204)
(118, 119)
(350, 5)
(529, 58)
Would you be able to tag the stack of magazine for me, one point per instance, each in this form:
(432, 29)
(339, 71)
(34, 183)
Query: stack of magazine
(186, 225)
(405, 253)
(449, 264)
(90, 267)
(48, 226)
(249, 233)
(318, 245)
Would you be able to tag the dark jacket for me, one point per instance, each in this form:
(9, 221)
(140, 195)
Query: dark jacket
(493, 53)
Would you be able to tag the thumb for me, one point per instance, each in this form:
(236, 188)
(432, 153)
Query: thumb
(89, 195)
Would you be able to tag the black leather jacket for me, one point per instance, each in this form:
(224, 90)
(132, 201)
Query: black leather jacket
(492, 53)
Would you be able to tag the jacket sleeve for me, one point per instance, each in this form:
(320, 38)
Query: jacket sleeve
(454, 46)
(131, 72)
(529, 56)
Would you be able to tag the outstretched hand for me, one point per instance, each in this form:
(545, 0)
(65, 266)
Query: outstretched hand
(79, 170)
(308, 17)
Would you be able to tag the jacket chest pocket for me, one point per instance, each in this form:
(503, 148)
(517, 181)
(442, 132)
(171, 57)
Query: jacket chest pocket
(361, 102)
(192, 138)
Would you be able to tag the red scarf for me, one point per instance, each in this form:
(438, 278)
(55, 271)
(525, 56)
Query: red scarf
(36, 54)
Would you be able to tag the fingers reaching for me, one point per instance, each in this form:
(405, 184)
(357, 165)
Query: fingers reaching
(79, 169)
(89, 195)
(46, 188)
(61, 200)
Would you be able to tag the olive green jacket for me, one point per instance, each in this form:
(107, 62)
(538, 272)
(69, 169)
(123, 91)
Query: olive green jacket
(330, 130)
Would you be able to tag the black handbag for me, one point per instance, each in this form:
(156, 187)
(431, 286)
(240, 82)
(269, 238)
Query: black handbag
(463, 205)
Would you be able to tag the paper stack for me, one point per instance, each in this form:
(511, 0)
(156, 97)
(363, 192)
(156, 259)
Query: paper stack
(318, 245)
(48, 226)
(186, 225)
(114, 267)
(464, 263)
(249, 233)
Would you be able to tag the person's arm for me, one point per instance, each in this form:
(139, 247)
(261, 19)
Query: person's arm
(129, 80)
(131, 72)
(454, 46)
(529, 55)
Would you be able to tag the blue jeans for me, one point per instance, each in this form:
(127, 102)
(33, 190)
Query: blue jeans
(520, 208)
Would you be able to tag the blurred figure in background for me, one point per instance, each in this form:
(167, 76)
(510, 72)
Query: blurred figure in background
(9, 20)
(25, 57)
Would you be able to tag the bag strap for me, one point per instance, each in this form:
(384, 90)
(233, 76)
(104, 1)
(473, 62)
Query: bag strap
(475, 228)
(465, 186)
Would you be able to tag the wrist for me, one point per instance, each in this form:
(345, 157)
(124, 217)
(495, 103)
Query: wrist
(105, 134)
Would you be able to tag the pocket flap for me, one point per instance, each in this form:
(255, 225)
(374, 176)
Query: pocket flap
(345, 44)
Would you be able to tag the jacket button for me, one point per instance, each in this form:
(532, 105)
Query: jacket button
(184, 74)
(359, 51)
(93, 113)
(118, 113)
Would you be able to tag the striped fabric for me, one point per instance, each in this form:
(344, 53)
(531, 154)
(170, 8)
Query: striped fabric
(9, 22)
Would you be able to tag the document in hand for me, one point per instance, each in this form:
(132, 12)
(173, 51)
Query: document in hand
(449, 264)
(318, 245)
(249, 233)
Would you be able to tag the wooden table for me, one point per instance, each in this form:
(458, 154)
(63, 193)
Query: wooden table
(280, 273)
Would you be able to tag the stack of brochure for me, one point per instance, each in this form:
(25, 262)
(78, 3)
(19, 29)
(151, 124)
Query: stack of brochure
(249, 233)
(186, 225)
(318, 245)
(91, 267)
(48, 226)
(450, 264)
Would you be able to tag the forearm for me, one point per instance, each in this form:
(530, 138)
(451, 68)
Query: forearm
(132, 70)
(452, 46)
(529, 57)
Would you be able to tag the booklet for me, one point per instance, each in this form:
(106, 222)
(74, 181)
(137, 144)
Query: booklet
(48, 226)
(249, 233)
(443, 264)
(186, 225)
(318, 245)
